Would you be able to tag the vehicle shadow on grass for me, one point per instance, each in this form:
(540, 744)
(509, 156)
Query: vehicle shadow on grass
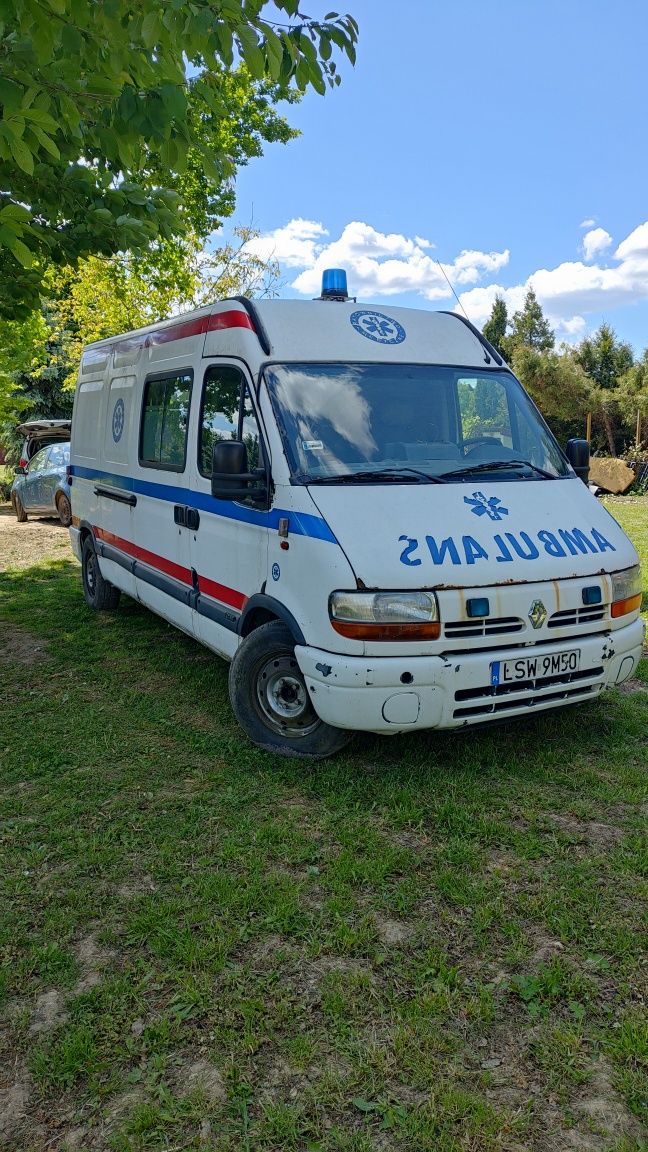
(562, 747)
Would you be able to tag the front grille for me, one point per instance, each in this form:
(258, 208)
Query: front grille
(471, 629)
(570, 617)
(506, 697)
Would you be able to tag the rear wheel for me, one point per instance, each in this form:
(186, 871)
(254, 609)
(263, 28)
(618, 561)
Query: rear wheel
(64, 510)
(18, 508)
(271, 700)
(99, 594)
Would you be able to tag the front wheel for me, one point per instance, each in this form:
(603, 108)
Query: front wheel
(99, 594)
(271, 701)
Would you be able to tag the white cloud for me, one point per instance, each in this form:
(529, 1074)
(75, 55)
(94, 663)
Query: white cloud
(596, 241)
(377, 263)
(296, 245)
(389, 264)
(589, 223)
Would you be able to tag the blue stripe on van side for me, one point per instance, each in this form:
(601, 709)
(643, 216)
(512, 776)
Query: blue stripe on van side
(301, 523)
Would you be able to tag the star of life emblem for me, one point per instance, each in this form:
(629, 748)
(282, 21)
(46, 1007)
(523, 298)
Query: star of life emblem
(376, 326)
(490, 506)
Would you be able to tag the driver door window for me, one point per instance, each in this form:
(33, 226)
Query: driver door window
(227, 413)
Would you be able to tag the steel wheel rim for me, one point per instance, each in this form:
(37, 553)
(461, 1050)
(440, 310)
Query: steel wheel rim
(90, 573)
(282, 697)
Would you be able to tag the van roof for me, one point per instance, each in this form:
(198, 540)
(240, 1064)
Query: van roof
(313, 330)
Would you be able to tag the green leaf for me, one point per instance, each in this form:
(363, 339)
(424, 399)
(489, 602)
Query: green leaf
(11, 94)
(150, 29)
(14, 212)
(22, 155)
(366, 1105)
(251, 52)
(45, 141)
(17, 248)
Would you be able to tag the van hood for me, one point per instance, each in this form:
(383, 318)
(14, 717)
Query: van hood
(471, 535)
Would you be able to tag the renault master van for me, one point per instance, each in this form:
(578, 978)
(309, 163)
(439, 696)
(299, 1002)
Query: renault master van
(360, 508)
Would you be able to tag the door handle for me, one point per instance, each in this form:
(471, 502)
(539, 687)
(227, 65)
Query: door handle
(186, 517)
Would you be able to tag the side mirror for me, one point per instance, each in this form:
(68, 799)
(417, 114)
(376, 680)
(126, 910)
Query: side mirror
(20, 470)
(230, 478)
(578, 454)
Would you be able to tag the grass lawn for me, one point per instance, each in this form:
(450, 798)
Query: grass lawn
(430, 943)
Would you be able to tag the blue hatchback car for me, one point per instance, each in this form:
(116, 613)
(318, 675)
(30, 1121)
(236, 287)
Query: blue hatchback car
(41, 487)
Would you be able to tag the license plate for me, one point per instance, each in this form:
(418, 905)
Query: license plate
(534, 667)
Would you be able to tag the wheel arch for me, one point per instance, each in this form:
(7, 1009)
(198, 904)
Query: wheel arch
(261, 609)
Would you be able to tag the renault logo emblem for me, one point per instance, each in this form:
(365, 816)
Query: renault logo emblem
(537, 614)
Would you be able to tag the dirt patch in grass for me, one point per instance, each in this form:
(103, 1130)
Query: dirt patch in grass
(604, 836)
(14, 1111)
(18, 646)
(199, 1076)
(49, 1012)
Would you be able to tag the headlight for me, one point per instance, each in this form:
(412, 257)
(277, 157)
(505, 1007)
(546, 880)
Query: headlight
(626, 591)
(385, 615)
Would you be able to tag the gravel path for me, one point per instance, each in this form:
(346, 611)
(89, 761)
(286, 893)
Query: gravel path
(22, 545)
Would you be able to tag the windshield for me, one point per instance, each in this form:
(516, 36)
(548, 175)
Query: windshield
(408, 422)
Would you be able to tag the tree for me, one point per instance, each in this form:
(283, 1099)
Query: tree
(632, 394)
(559, 386)
(605, 360)
(495, 327)
(100, 297)
(105, 108)
(530, 327)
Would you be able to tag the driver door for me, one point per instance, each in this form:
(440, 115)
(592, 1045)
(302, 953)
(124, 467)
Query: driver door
(229, 545)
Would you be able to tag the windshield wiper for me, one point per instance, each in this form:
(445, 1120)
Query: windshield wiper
(500, 466)
(377, 474)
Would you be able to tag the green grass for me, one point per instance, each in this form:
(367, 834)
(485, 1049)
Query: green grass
(431, 943)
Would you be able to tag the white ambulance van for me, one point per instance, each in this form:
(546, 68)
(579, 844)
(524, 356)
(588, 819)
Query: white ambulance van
(360, 508)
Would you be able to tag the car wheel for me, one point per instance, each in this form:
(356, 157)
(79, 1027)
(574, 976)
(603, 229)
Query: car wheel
(271, 701)
(99, 594)
(64, 510)
(18, 508)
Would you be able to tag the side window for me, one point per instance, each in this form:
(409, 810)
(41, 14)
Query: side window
(37, 462)
(165, 420)
(58, 456)
(250, 434)
(483, 406)
(219, 415)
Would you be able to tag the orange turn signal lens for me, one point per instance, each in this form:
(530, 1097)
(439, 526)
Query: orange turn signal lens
(622, 607)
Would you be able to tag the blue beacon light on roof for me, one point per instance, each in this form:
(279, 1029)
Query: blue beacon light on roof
(334, 284)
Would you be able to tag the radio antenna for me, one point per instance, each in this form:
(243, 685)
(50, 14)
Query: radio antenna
(452, 290)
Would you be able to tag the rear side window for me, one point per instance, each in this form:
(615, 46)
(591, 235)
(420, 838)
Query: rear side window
(59, 455)
(165, 421)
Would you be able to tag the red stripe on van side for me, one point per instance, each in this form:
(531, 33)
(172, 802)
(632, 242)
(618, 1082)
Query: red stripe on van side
(217, 322)
(209, 587)
(150, 558)
(222, 592)
(234, 319)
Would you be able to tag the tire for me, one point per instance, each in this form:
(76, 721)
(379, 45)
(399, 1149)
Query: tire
(99, 594)
(271, 701)
(18, 508)
(64, 510)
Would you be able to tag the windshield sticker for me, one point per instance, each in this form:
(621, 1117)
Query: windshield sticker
(505, 547)
(481, 505)
(376, 326)
(312, 445)
(118, 421)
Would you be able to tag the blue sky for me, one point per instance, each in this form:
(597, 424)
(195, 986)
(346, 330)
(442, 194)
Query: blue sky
(506, 140)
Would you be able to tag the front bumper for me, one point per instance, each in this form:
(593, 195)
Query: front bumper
(403, 693)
